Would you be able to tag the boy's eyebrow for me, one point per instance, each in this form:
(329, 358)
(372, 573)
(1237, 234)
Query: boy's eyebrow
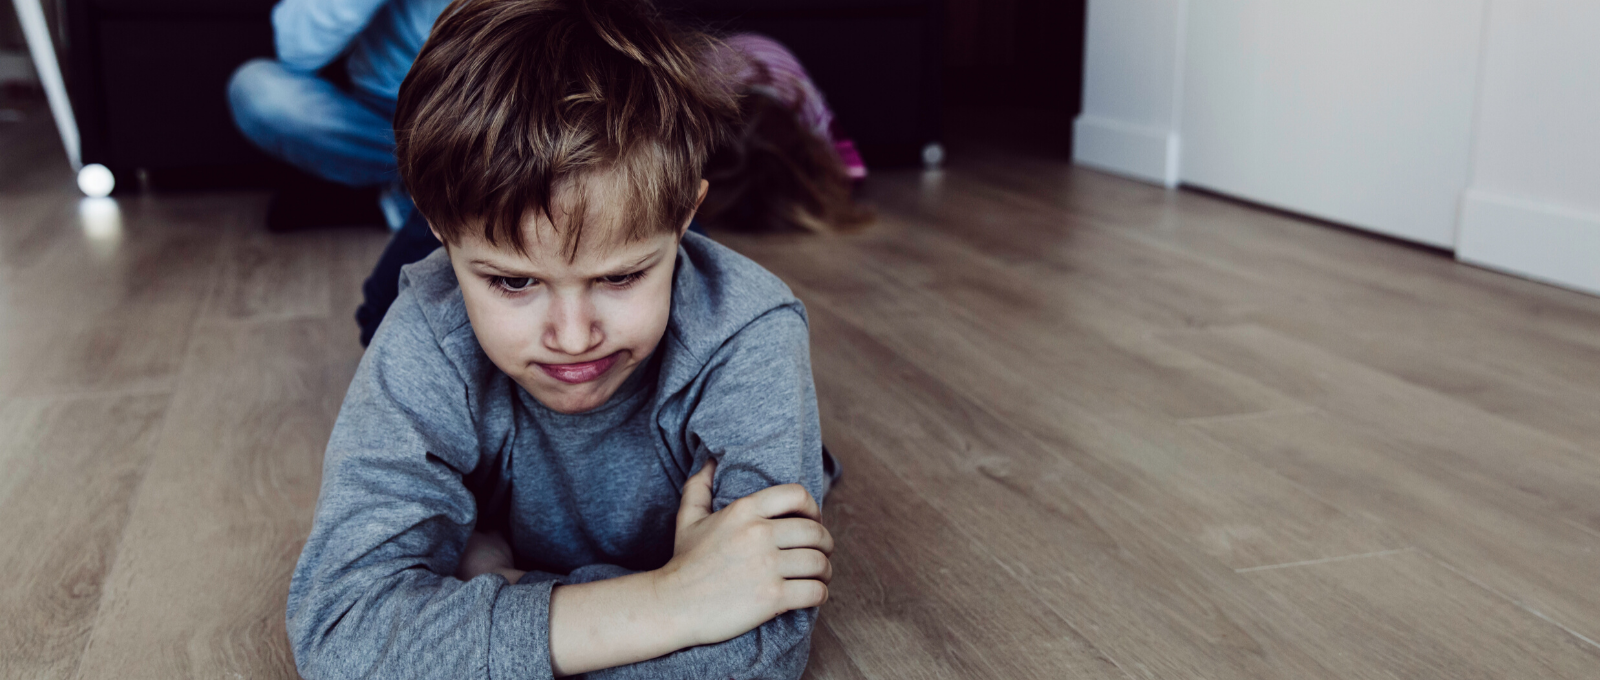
(491, 265)
(636, 263)
(624, 268)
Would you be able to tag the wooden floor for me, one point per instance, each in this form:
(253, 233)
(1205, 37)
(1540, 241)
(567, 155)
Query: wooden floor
(1090, 429)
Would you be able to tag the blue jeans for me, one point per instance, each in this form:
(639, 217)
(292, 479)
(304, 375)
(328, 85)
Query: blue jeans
(337, 135)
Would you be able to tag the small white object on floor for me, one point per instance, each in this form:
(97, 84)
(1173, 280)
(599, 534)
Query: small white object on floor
(96, 180)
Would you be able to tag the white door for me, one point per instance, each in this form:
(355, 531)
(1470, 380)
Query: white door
(1356, 111)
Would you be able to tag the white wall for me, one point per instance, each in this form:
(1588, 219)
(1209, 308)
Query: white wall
(1534, 204)
(1133, 56)
(1468, 124)
(1355, 111)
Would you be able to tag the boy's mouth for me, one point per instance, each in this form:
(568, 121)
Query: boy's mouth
(584, 372)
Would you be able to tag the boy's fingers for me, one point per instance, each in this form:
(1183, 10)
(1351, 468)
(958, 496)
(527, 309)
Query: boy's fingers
(786, 499)
(705, 473)
(798, 532)
(800, 593)
(696, 503)
(805, 563)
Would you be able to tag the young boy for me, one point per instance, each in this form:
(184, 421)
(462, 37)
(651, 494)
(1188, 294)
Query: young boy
(557, 375)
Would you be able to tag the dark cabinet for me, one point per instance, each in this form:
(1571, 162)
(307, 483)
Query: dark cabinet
(148, 77)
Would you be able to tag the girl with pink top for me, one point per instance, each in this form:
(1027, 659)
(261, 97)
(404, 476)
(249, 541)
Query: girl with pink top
(787, 168)
(771, 68)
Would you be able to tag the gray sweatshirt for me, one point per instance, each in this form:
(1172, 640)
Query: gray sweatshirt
(434, 440)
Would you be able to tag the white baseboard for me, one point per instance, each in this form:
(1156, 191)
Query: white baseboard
(1540, 241)
(1137, 151)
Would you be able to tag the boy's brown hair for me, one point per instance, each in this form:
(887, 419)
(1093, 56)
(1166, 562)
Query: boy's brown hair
(513, 104)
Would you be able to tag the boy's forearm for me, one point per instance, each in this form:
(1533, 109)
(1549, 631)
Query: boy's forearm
(612, 622)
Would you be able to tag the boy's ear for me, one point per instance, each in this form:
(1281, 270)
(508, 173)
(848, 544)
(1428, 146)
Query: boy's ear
(704, 186)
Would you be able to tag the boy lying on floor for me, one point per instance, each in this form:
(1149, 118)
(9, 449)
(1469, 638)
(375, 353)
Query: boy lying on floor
(581, 441)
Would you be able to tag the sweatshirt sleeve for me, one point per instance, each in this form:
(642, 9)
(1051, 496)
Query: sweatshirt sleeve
(310, 34)
(757, 414)
(373, 595)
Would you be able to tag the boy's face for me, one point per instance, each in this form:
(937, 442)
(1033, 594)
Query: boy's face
(568, 330)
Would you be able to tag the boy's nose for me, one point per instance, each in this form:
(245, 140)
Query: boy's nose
(572, 328)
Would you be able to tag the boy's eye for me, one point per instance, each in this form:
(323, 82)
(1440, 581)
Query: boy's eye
(514, 284)
(622, 280)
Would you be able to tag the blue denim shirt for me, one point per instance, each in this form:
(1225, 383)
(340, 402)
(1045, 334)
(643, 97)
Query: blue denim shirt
(433, 440)
(382, 37)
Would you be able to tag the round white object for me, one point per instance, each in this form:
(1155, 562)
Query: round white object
(96, 180)
(932, 155)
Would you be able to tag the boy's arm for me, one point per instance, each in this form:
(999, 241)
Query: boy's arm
(730, 572)
(757, 415)
(310, 34)
(371, 595)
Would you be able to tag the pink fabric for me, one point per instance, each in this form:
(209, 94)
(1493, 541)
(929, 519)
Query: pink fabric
(787, 80)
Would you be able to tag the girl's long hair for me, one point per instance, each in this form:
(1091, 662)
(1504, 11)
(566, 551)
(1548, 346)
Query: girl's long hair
(776, 175)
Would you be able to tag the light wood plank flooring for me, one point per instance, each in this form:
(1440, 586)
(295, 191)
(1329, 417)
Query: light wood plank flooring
(1090, 429)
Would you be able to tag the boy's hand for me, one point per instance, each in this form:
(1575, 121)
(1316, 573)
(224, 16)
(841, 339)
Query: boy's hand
(487, 552)
(737, 568)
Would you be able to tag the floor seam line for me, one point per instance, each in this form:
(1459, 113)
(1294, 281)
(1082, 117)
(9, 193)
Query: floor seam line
(1324, 560)
(1580, 525)
(1515, 602)
(1233, 417)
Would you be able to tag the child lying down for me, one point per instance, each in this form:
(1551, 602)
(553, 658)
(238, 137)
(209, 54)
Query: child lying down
(582, 440)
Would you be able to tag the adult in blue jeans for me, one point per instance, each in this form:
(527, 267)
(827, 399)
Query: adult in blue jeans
(342, 132)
